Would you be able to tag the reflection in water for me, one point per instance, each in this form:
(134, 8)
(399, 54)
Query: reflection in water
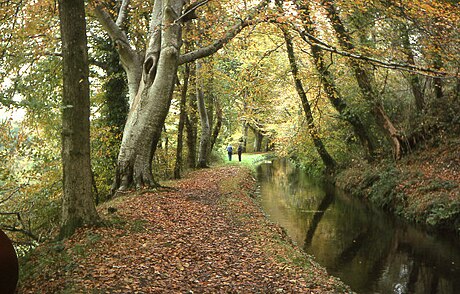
(367, 249)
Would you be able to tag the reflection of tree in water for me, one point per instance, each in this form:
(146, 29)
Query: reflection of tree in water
(364, 247)
(325, 203)
(360, 235)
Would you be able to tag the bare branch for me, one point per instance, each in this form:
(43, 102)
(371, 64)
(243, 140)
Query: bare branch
(14, 191)
(313, 41)
(123, 13)
(190, 11)
(112, 28)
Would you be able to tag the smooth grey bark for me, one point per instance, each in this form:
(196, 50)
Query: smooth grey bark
(151, 77)
(182, 118)
(414, 78)
(78, 207)
(191, 123)
(218, 124)
(204, 119)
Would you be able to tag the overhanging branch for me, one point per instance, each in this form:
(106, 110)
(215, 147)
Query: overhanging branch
(218, 44)
(313, 41)
(190, 11)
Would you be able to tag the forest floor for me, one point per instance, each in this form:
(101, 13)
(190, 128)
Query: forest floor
(202, 234)
(423, 187)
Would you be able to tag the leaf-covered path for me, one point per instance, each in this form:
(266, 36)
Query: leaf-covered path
(204, 235)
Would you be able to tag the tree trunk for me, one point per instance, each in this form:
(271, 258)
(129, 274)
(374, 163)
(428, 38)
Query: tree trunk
(245, 136)
(218, 125)
(364, 81)
(151, 76)
(258, 140)
(150, 106)
(191, 124)
(116, 91)
(437, 81)
(180, 130)
(414, 78)
(331, 90)
(327, 159)
(205, 127)
(78, 207)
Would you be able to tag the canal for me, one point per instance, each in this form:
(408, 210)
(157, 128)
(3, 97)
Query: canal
(366, 248)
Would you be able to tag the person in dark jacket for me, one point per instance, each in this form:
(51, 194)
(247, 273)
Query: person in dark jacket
(240, 150)
(230, 152)
(9, 269)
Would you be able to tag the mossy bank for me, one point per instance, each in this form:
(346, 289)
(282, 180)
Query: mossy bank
(423, 187)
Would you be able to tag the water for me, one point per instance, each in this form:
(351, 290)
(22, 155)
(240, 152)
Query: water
(367, 249)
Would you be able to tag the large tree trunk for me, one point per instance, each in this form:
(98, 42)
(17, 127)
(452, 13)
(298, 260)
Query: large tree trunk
(327, 159)
(150, 106)
(205, 127)
(363, 79)
(182, 118)
(331, 90)
(78, 207)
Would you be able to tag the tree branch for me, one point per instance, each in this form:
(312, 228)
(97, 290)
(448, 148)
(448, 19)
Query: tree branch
(212, 48)
(112, 28)
(117, 35)
(190, 11)
(314, 41)
(123, 13)
(11, 194)
(15, 229)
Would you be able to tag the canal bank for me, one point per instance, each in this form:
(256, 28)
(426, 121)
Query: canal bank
(365, 247)
(423, 187)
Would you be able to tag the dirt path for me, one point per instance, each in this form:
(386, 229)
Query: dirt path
(206, 235)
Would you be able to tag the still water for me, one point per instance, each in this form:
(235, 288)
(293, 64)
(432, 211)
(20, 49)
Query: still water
(367, 249)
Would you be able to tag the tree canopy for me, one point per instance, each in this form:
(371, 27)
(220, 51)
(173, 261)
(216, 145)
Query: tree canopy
(324, 82)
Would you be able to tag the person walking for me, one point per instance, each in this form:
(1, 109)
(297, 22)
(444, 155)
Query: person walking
(230, 152)
(240, 150)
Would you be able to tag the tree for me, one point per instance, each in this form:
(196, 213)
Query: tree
(205, 137)
(364, 80)
(191, 121)
(327, 159)
(151, 73)
(329, 85)
(182, 118)
(77, 203)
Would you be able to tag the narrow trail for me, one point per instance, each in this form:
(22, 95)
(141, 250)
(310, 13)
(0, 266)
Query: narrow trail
(205, 235)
